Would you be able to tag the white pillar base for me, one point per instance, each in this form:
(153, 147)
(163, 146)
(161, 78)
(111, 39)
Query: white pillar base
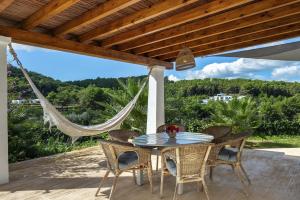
(180, 189)
(140, 177)
(156, 106)
(4, 174)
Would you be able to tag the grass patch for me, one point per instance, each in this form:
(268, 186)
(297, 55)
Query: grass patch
(275, 141)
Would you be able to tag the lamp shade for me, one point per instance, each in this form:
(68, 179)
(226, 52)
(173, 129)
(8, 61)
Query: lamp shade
(185, 59)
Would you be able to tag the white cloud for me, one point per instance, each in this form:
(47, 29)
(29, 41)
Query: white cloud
(240, 68)
(173, 78)
(289, 73)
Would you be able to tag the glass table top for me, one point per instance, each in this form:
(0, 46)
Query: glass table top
(163, 140)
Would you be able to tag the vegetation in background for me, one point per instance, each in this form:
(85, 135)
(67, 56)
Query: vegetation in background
(274, 141)
(271, 107)
(138, 116)
(241, 114)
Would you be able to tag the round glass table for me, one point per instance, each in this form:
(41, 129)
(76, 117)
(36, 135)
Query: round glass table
(161, 140)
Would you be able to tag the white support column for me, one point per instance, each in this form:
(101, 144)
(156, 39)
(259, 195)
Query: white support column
(156, 102)
(4, 177)
(156, 106)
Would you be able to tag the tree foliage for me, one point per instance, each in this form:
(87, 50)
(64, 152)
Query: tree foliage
(240, 114)
(119, 99)
(271, 107)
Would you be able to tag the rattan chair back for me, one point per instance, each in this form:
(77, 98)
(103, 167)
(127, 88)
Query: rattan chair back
(122, 135)
(237, 141)
(113, 151)
(190, 157)
(218, 131)
(110, 149)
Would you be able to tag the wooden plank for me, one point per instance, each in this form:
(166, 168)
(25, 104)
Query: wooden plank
(43, 40)
(250, 37)
(136, 18)
(97, 13)
(4, 4)
(213, 34)
(49, 10)
(240, 13)
(180, 18)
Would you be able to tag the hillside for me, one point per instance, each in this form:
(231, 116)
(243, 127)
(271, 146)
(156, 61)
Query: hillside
(270, 107)
(183, 88)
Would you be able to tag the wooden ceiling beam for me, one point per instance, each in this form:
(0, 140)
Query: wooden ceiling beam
(256, 42)
(46, 12)
(47, 41)
(232, 15)
(4, 4)
(136, 18)
(101, 11)
(203, 10)
(223, 31)
(279, 33)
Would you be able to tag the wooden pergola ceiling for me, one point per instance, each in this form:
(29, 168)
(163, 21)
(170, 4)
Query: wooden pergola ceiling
(148, 32)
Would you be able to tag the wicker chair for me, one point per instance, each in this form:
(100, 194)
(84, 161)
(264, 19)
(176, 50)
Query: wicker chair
(187, 163)
(163, 129)
(218, 131)
(122, 135)
(228, 150)
(123, 157)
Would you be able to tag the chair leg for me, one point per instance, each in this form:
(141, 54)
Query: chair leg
(232, 167)
(245, 173)
(113, 188)
(211, 168)
(175, 192)
(241, 179)
(162, 179)
(102, 181)
(134, 176)
(205, 189)
(199, 186)
(150, 176)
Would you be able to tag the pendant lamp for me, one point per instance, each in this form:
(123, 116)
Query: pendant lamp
(185, 59)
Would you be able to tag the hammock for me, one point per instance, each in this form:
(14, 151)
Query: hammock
(75, 131)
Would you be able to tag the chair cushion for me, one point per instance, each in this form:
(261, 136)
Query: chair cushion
(228, 154)
(127, 159)
(171, 166)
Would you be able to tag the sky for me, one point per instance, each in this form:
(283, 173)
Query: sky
(68, 66)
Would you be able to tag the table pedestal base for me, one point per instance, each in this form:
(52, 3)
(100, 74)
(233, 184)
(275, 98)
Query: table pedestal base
(180, 189)
(140, 177)
(140, 181)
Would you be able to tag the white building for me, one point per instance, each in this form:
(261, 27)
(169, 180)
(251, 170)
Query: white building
(34, 101)
(25, 101)
(220, 97)
(18, 101)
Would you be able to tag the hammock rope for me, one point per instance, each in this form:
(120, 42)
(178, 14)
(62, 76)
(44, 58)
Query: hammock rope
(75, 131)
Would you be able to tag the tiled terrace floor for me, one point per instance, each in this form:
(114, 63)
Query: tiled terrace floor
(275, 175)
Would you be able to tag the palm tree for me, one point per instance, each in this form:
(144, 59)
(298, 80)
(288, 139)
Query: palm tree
(241, 114)
(138, 116)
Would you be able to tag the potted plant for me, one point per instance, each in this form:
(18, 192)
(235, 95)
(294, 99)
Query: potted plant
(172, 130)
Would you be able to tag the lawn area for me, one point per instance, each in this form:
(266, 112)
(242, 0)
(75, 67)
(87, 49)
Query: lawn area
(280, 141)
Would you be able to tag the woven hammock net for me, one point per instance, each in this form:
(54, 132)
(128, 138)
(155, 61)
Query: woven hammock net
(75, 131)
